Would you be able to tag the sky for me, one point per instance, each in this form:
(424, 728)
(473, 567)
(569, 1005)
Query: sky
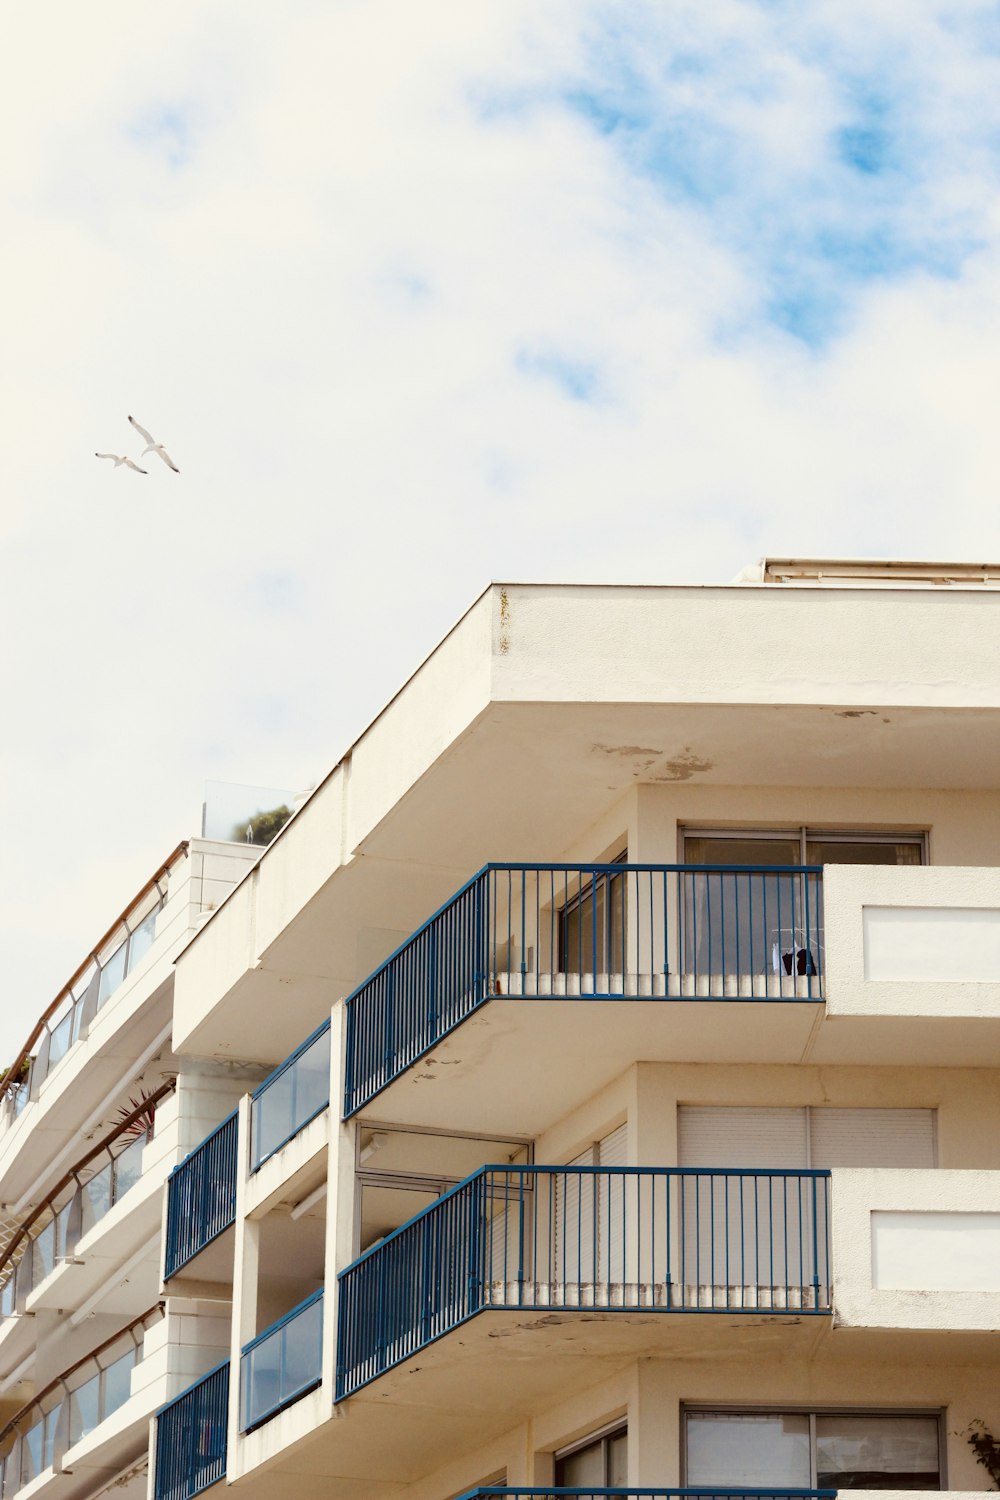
(421, 295)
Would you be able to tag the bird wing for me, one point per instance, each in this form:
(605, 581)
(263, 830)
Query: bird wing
(166, 458)
(147, 436)
(131, 465)
(112, 456)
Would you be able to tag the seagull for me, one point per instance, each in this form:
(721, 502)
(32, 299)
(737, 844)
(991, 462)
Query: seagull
(121, 458)
(153, 447)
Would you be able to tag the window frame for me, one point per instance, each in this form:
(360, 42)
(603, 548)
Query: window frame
(417, 1182)
(833, 1409)
(805, 832)
(616, 1428)
(578, 900)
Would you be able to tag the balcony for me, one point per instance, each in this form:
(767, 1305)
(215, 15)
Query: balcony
(599, 933)
(201, 1196)
(605, 1241)
(282, 1363)
(190, 1443)
(59, 1238)
(66, 1429)
(68, 1019)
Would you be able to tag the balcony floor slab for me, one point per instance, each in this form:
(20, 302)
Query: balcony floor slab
(516, 1066)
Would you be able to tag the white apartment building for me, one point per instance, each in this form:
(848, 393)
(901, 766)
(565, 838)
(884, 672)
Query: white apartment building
(592, 1090)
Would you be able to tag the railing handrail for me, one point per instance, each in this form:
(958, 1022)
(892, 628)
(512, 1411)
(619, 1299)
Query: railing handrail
(644, 1492)
(291, 1059)
(12, 1425)
(202, 1380)
(654, 869)
(582, 1171)
(562, 868)
(10, 1078)
(288, 1317)
(419, 931)
(204, 1142)
(77, 1167)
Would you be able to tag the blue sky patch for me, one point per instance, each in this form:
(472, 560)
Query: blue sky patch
(167, 131)
(577, 379)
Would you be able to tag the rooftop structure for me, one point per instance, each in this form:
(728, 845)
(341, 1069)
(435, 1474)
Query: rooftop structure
(591, 1090)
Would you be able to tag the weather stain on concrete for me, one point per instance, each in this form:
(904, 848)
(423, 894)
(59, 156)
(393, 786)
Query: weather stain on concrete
(630, 750)
(504, 642)
(855, 713)
(684, 766)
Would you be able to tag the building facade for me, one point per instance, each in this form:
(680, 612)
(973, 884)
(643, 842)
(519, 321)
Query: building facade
(592, 1089)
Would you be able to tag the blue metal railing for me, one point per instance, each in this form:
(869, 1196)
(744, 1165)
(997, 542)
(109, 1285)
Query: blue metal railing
(282, 1363)
(201, 1196)
(596, 932)
(295, 1093)
(555, 1493)
(631, 1239)
(191, 1438)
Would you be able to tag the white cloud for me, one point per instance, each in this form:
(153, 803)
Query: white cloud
(317, 248)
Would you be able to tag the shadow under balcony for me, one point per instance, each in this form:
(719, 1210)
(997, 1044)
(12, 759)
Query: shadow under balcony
(495, 980)
(521, 1258)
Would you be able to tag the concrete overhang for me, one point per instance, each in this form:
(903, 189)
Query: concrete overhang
(541, 710)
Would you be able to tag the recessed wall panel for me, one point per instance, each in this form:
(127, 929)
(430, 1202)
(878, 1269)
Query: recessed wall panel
(936, 944)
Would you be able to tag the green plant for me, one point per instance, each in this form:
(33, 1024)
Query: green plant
(263, 826)
(986, 1448)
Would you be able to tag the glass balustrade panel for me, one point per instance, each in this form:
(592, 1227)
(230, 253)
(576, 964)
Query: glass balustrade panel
(261, 1391)
(303, 1350)
(112, 974)
(274, 1115)
(312, 1080)
(96, 1197)
(32, 1449)
(43, 1254)
(141, 940)
(116, 1383)
(84, 1409)
(61, 1039)
(128, 1167)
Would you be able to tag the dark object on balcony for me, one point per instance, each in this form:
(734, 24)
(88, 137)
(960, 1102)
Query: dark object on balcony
(801, 958)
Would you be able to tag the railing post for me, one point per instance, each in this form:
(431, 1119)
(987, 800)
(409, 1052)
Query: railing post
(475, 1207)
(390, 999)
(432, 981)
(815, 1240)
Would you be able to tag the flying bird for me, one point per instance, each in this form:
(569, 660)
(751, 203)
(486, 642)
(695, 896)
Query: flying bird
(121, 458)
(152, 446)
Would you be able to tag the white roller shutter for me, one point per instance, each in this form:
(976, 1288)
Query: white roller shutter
(589, 1212)
(790, 1139)
(872, 1137)
(733, 1138)
(612, 1151)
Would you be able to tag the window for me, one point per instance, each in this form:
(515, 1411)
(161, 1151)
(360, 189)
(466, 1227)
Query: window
(401, 1172)
(593, 924)
(813, 1450)
(801, 846)
(598, 1461)
(770, 923)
